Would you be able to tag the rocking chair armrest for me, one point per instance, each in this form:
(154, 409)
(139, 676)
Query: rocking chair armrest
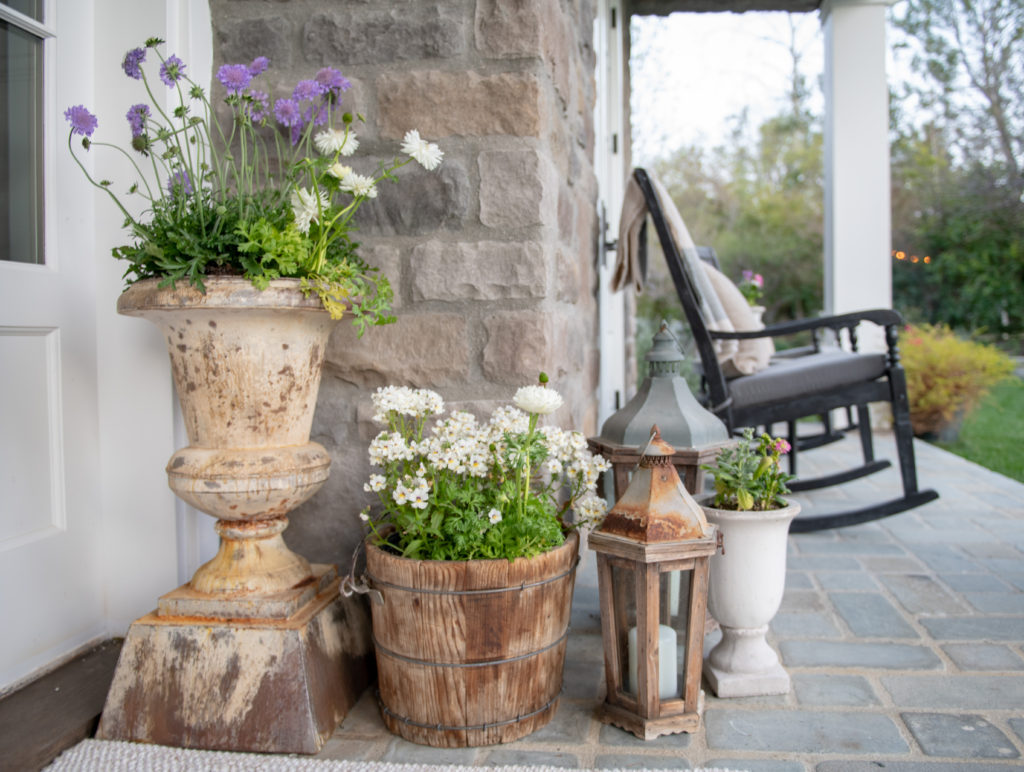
(884, 317)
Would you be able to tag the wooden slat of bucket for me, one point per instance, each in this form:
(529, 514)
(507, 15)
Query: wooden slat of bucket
(468, 627)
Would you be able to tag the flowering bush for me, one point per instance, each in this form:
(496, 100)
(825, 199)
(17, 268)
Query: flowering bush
(265, 193)
(749, 476)
(946, 375)
(462, 489)
(752, 286)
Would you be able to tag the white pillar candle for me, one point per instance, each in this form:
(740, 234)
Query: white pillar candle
(667, 677)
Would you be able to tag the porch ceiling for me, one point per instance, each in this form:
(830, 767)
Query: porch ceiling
(665, 7)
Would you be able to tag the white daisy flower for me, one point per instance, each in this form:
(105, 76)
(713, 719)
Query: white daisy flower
(331, 141)
(339, 170)
(537, 399)
(307, 206)
(427, 154)
(359, 185)
(494, 516)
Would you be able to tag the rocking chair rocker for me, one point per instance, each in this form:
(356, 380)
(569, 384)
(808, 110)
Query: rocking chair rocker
(790, 388)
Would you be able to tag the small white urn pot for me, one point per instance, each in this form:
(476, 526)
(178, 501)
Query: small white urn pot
(744, 593)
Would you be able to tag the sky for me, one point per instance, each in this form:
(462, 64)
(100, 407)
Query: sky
(692, 72)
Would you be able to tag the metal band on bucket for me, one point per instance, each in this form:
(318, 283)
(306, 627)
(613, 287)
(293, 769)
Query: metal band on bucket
(443, 728)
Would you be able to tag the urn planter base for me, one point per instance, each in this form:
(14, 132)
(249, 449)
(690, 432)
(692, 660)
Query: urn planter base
(274, 674)
(744, 665)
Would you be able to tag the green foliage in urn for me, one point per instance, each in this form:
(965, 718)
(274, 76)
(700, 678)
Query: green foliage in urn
(455, 488)
(748, 476)
(265, 191)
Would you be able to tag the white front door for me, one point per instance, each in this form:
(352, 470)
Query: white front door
(609, 153)
(51, 594)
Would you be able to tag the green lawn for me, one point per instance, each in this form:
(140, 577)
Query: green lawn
(991, 436)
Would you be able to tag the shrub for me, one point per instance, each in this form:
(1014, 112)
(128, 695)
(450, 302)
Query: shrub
(947, 375)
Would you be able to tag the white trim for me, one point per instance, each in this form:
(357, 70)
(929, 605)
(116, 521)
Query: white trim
(27, 23)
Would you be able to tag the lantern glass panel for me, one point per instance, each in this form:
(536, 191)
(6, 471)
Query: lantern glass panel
(624, 616)
(675, 615)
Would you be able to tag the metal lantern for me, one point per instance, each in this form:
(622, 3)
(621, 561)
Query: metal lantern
(653, 550)
(663, 398)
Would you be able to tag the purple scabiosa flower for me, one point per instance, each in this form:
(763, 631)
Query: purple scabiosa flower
(287, 112)
(179, 184)
(306, 90)
(234, 77)
(259, 66)
(82, 121)
(137, 115)
(332, 81)
(132, 63)
(257, 105)
(172, 70)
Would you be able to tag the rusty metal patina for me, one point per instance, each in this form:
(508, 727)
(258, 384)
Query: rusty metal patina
(656, 506)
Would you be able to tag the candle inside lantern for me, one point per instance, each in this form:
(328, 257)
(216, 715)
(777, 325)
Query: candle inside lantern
(667, 676)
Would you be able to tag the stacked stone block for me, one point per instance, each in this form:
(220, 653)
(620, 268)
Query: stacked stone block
(492, 255)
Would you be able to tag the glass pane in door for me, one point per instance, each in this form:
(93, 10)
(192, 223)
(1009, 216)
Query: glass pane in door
(21, 152)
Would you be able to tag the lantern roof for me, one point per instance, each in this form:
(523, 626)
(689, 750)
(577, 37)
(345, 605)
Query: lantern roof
(664, 398)
(656, 507)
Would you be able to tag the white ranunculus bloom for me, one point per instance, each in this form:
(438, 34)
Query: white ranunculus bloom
(358, 185)
(307, 206)
(427, 154)
(537, 399)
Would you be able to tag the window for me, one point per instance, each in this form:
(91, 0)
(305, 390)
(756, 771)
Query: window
(21, 138)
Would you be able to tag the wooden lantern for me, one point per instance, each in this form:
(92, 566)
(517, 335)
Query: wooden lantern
(663, 397)
(653, 550)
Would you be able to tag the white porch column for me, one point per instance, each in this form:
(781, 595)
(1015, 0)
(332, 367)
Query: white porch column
(857, 208)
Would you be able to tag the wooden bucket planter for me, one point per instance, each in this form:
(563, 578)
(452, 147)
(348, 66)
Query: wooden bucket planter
(470, 652)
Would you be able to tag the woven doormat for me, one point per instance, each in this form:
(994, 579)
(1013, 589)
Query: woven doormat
(112, 756)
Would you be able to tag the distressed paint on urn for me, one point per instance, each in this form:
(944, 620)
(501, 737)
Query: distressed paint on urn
(246, 365)
(265, 685)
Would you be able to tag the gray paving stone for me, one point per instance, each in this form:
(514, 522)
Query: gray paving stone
(802, 601)
(1002, 565)
(822, 563)
(921, 594)
(570, 724)
(833, 690)
(871, 615)
(993, 549)
(966, 692)
(797, 580)
(612, 735)
(756, 765)
(628, 761)
(983, 656)
(874, 549)
(890, 656)
(582, 680)
(846, 580)
(963, 736)
(1016, 579)
(945, 559)
(803, 731)
(404, 752)
(342, 749)
(893, 565)
(996, 602)
(975, 628)
(974, 582)
(1017, 725)
(512, 757)
(814, 625)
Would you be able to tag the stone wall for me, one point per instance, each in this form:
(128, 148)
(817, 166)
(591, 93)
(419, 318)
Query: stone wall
(492, 255)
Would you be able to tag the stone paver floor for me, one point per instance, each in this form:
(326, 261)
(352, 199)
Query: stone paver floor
(904, 639)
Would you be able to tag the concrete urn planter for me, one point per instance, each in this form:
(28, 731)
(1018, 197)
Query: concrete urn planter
(744, 593)
(258, 651)
(246, 366)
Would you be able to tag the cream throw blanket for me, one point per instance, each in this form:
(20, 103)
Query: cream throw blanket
(627, 266)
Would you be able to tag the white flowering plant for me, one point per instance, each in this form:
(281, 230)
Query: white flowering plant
(264, 191)
(455, 488)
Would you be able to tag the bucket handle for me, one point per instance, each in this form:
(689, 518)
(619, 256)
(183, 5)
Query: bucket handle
(351, 586)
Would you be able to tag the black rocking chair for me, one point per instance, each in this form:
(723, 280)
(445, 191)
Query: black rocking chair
(813, 384)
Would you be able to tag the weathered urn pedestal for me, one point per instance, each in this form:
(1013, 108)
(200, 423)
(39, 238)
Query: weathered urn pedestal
(259, 651)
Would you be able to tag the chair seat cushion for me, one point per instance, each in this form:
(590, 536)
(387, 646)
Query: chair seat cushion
(786, 379)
